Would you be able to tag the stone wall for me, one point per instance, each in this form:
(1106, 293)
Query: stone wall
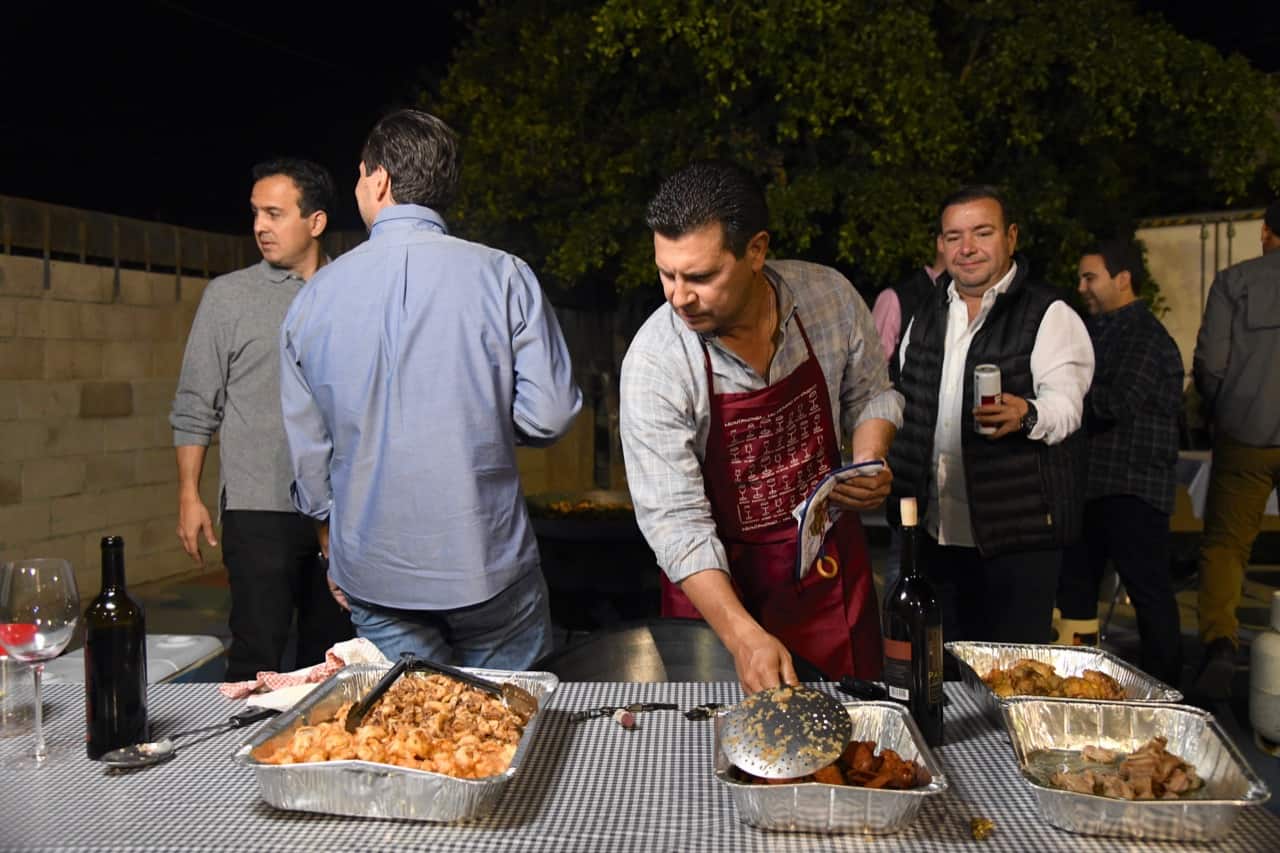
(89, 357)
(88, 362)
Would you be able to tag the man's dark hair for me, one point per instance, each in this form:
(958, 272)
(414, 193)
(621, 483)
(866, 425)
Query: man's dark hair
(1272, 218)
(1120, 256)
(313, 181)
(420, 154)
(977, 192)
(706, 192)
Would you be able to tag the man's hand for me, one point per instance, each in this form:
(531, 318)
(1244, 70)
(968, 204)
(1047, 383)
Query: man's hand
(863, 493)
(1006, 416)
(338, 595)
(322, 533)
(194, 519)
(762, 662)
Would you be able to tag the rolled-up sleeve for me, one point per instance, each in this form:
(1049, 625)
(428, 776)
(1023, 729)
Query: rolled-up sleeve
(1062, 369)
(201, 395)
(546, 397)
(658, 422)
(865, 390)
(310, 444)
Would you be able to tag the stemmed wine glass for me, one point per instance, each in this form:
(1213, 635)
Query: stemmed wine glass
(39, 607)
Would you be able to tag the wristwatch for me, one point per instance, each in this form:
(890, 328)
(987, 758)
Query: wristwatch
(1029, 420)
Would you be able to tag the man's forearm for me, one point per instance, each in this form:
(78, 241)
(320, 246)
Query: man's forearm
(713, 594)
(872, 438)
(190, 467)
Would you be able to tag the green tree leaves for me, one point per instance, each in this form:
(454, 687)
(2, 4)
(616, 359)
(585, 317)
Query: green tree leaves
(859, 116)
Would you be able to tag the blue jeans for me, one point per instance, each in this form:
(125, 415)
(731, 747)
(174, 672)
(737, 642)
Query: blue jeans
(509, 631)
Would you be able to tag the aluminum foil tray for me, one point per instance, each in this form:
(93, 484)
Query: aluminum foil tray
(370, 789)
(1193, 735)
(816, 807)
(977, 659)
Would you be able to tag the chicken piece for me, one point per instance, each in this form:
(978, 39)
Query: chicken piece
(1042, 669)
(1110, 687)
(1075, 687)
(1114, 786)
(923, 776)
(880, 780)
(1143, 789)
(1098, 755)
(1178, 782)
(1083, 782)
(829, 775)
(863, 759)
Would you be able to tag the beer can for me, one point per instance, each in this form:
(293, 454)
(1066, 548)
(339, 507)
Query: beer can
(986, 391)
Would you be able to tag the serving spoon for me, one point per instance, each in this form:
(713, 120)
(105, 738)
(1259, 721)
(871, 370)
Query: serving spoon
(144, 754)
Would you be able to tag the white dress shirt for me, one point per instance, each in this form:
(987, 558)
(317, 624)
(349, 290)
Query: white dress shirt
(1061, 370)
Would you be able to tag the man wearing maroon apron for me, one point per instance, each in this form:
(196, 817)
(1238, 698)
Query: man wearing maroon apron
(727, 424)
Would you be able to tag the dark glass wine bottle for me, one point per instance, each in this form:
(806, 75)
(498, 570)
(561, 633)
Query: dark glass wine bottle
(115, 661)
(912, 627)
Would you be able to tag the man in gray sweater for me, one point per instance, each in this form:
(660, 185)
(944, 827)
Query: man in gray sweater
(1235, 368)
(231, 381)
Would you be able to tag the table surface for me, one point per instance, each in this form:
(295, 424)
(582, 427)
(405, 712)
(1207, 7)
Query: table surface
(588, 786)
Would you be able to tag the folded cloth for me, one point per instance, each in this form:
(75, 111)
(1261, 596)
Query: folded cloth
(342, 654)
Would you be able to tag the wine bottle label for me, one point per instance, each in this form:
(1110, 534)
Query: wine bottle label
(934, 639)
(897, 668)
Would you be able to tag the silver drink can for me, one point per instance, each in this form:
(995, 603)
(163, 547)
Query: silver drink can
(986, 391)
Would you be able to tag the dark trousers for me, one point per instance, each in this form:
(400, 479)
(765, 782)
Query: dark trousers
(1135, 536)
(1004, 599)
(273, 565)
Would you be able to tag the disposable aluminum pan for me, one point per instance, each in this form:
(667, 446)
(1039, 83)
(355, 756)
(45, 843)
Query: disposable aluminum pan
(370, 789)
(1193, 735)
(977, 659)
(817, 807)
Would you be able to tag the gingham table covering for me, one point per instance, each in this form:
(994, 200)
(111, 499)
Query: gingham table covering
(587, 786)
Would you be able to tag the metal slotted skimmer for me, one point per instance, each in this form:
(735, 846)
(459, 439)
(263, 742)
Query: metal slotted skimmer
(785, 732)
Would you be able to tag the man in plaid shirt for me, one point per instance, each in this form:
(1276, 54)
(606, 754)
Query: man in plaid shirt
(1131, 417)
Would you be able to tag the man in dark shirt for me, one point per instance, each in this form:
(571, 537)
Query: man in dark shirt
(1131, 418)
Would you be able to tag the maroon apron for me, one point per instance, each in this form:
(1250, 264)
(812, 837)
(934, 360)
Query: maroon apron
(766, 451)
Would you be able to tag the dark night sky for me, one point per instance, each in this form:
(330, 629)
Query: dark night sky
(157, 110)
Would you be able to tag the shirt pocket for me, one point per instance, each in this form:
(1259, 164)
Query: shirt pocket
(1262, 307)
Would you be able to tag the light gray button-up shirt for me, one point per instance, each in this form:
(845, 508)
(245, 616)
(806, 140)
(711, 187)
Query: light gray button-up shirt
(666, 405)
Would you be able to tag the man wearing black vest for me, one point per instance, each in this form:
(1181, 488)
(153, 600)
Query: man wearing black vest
(998, 508)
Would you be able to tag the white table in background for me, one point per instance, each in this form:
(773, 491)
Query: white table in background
(168, 656)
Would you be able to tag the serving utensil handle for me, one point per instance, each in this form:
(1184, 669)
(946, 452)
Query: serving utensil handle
(361, 709)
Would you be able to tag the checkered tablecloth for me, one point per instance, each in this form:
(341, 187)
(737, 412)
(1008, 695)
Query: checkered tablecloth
(588, 786)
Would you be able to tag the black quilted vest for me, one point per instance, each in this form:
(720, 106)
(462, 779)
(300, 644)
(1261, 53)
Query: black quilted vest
(1023, 495)
(912, 292)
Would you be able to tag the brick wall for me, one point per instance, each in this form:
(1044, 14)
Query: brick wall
(88, 363)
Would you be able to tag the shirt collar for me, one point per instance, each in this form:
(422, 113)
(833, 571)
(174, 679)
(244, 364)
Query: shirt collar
(989, 297)
(275, 274)
(1119, 314)
(786, 301)
(405, 216)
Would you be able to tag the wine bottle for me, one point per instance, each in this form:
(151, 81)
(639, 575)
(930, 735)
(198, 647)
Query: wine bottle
(115, 661)
(912, 627)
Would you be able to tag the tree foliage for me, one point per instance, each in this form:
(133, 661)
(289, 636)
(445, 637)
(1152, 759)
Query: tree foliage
(859, 117)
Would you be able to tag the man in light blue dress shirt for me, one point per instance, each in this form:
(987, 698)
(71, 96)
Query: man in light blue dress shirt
(412, 367)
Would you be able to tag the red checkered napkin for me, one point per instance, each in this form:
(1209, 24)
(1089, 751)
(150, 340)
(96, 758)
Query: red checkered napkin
(354, 651)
